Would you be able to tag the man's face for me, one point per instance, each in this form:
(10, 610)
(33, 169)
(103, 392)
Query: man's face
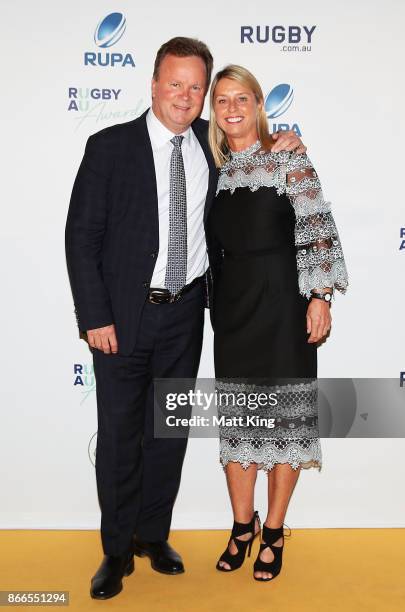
(178, 93)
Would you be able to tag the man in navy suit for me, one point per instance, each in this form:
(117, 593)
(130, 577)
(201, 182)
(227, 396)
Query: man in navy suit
(142, 188)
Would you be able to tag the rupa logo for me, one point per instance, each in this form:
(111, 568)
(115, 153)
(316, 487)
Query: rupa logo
(276, 103)
(108, 32)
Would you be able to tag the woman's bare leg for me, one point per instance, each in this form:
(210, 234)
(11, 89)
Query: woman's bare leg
(241, 486)
(281, 483)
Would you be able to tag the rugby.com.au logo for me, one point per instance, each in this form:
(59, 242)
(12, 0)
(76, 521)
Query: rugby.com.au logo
(276, 103)
(289, 38)
(108, 32)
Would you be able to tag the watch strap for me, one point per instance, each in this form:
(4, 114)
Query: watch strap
(326, 297)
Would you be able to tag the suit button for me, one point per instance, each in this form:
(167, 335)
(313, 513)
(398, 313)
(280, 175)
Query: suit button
(145, 284)
(153, 255)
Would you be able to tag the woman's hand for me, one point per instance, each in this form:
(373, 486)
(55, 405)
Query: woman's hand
(318, 320)
(287, 140)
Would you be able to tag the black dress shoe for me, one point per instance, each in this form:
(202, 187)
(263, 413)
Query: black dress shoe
(163, 558)
(107, 581)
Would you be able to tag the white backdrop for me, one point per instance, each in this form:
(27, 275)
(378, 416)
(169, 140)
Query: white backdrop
(348, 95)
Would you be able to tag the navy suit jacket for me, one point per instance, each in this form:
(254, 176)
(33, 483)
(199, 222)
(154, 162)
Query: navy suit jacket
(112, 229)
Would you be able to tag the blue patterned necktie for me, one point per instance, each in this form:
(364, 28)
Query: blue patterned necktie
(176, 270)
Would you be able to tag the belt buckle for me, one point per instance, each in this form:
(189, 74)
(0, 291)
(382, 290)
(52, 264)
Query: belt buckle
(155, 294)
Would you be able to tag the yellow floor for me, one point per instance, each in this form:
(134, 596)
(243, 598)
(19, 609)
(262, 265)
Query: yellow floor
(323, 570)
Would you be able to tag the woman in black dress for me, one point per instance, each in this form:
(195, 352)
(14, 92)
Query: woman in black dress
(280, 260)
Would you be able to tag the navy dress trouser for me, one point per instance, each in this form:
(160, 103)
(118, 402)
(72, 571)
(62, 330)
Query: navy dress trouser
(138, 475)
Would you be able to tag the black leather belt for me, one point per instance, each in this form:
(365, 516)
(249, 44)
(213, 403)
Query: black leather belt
(163, 296)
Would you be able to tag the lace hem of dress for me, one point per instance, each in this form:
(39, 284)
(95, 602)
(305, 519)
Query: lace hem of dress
(298, 453)
(266, 410)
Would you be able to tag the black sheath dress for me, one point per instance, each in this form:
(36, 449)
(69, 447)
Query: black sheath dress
(279, 242)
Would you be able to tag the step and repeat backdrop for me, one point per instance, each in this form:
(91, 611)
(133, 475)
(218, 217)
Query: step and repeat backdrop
(333, 72)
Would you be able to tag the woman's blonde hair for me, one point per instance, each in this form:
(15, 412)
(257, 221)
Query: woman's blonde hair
(217, 138)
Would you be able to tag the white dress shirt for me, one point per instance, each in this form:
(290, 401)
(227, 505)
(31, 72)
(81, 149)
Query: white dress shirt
(196, 171)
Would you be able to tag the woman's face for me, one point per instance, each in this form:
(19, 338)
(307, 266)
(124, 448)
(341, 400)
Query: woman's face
(236, 109)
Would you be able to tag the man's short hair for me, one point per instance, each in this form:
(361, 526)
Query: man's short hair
(180, 46)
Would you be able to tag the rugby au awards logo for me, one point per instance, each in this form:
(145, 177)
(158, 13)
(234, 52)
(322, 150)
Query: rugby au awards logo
(80, 98)
(108, 32)
(276, 103)
(85, 379)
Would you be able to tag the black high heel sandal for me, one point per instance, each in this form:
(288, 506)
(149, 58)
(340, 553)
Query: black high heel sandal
(272, 567)
(238, 529)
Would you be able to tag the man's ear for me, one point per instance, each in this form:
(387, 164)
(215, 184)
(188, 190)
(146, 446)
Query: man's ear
(153, 88)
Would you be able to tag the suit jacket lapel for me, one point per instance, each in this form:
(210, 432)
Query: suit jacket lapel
(145, 165)
(201, 135)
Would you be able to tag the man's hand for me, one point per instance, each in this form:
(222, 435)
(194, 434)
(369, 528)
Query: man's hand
(318, 320)
(287, 140)
(103, 338)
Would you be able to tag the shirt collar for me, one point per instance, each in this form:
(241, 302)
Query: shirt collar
(159, 134)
